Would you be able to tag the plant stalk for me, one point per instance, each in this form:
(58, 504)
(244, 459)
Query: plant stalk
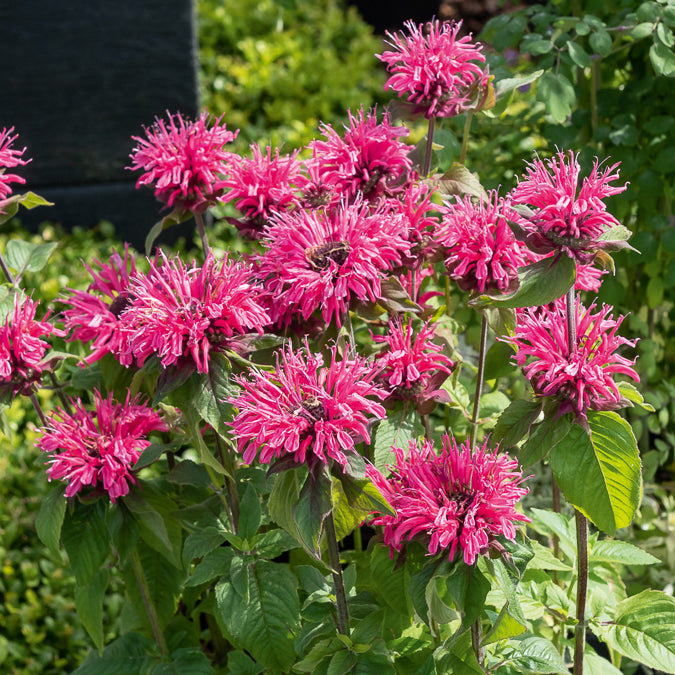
(199, 219)
(336, 570)
(476, 637)
(479, 380)
(465, 137)
(582, 587)
(430, 143)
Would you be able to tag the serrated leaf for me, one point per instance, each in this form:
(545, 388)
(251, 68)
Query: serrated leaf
(213, 565)
(504, 627)
(458, 180)
(201, 542)
(185, 661)
(643, 629)
(50, 518)
(211, 398)
(613, 551)
(544, 438)
(537, 655)
(628, 391)
(272, 544)
(250, 514)
(396, 430)
(264, 625)
(515, 422)
(125, 656)
(89, 605)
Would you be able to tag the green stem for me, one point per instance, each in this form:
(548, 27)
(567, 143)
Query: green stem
(595, 85)
(430, 143)
(150, 609)
(479, 381)
(582, 587)
(336, 571)
(465, 137)
(476, 637)
(199, 219)
(358, 541)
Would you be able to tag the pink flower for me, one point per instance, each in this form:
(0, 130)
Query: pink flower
(95, 313)
(261, 185)
(567, 217)
(184, 160)
(412, 365)
(325, 259)
(98, 448)
(180, 312)
(458, 499)
(22, 349)
(439, 73)
(305, 409)
(369, 159)
(481, 252)
(581, 377)
(9, 158)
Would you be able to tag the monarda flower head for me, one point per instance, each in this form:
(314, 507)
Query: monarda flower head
(368, 159)
(261, 185)
(9, 158)
(326, 259)
(579, 376)
(22, 348)
(307, 410)
(456, 500)
(94, 316)
(98, 448)
(184, 161)
(480, 251)
(183, 313)
(566, 216)
(438, 72)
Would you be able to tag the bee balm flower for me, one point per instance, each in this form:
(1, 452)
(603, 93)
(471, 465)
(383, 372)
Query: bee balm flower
(9, 158)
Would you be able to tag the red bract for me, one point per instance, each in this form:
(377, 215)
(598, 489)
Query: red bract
(184, 160)
(22, 349)
(99, 448)
(567, 217)
(95, 313)
(180, 312)
(580, 377)
(369, 159)
(436, 70)
(9, 158)
(325, 259)
(457, 499)
(306, 409)
(481, 252)
(261, 185)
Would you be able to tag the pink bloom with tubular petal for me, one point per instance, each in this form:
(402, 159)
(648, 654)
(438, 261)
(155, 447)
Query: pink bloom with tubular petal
(481, 252)
(456, 500)
(567, 216)
(582, 377)
(9, 158)
(368, 159)
(184, 161)
(325, 259)
(22, 347)
(306, 409)
(438, 72)
(98, 448)
(180, 312)
(95, 313)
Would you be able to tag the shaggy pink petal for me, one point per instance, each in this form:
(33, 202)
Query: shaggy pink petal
(433, 68)
(98, 448)
(306, 409)
(458, 499)
(9, 158)
(184, 312)
(582, 378)
(184, 160)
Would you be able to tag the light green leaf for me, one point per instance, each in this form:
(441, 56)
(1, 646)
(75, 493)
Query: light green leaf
(397, 429)
(538, 655)
(596, 665)
(601, 42)
(50, 517)
(663, 59)
(578, 55)
(511, 83)
(613, 551)
(24, 255)
(558, 94)
(89, 605)
(630, 392)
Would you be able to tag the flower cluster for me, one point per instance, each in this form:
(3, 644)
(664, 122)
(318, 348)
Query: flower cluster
(184, 160)
(581, 375)
(458, 499)
(305, 409)
(9, 158)
(439, 72)
(99, 448)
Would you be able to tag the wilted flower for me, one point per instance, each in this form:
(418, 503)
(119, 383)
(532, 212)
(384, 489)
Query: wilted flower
(306, 409)
(580, 376)
(325, 259)
(260, 185)
(439, 72)
(481, 252)
(95, 313)
(184, 160)
(99, 448)
(9, 158)
(567, 217)
(180, 312)
(458, 499)
(369, 159)
(21, 347)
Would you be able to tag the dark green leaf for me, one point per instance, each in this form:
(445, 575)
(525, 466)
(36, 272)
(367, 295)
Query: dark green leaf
(50, 517)
(310, 510)
(249, 514)
(663, 59)
(557, 92)
(127, 655)
(468, 587)
(363, 495)
(186, 661)
(578, 55)
(174, 218)
(150, 454)
(212, 396)
(201, 542)
(213, 566)
(515, 422)
(544, 438)
(601, 42)
(89, 605)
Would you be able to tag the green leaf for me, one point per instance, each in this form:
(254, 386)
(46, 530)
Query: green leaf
(250, 514)
(596, 665)
(364, 496)
(628, 391)
(498, 361)
(285, 493)
(174, 218)
(601, 42)
(150, 454)
(185, 661)
(468, 587)
(213, 565)
(613, 551)
(239, 663)
(504, 627)
(266, 624)
(311, 509)
(396, 430)
(643, 629)
(211, 399)
(515, 422)
(390, 580)
(537, 655)
(24, 255)
(544, 438)
(127, 655)
(557, 93)
(540, 283)
(545, 560)
(511, 83)
(273, 543)
(89, 605)
(201, 542)
(85, 538)
(663, 59)
(50, 518)
(600, 473)
(458, 180)
(578, 55)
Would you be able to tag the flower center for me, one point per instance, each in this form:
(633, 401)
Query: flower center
(119, 304)
(320, 257)
(313, 409)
